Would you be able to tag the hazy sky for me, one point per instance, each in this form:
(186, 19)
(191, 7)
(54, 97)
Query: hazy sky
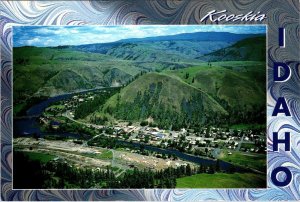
(75, 35)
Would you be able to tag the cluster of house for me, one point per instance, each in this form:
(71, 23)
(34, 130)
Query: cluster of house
(70, 104)
(214, 138)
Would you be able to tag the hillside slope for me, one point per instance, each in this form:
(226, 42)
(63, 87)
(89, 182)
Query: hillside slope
(167, 100)
(166, 51)
(52, 71)
(239, 84)
(250, 49)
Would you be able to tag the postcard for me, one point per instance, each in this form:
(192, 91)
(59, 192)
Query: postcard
(150, 100)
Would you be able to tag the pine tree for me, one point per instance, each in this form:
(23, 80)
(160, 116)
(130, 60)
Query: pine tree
(218, 165)
(188, 170)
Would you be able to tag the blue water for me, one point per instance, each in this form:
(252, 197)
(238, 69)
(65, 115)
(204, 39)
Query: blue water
(26, 126)
(38, 109)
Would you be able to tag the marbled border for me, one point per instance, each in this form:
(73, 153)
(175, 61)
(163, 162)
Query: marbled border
(280, 13)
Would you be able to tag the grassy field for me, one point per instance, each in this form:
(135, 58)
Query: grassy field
(106, 155)
(44, 158)
(222, 180)
(255, 161)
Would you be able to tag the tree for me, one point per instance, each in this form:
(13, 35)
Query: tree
(187, 75)
(147, 139)
(211, 170)
(142, 147)
(144, 123)
(231, 169)
(188, 170)
(206, 150)
(218, 165)
(207, 132)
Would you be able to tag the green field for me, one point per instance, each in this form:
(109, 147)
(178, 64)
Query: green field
(222, 180)
(255, 161)
(106, 155)
(44, 158)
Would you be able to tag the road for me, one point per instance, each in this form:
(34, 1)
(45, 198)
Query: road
(240, 143)
(68, 115)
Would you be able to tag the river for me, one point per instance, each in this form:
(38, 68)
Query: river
(27, 126)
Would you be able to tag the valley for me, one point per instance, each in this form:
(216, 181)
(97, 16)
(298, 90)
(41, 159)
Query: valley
(122, 114)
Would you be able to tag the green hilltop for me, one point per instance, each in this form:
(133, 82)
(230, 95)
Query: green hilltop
(166, 99)
(237, 84)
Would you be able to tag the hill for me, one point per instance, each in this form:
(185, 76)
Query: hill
(40, 72)
(187, 47)
(167, 100)
(156, 51)
(48, 71)
(165, 51)
(249, 49)
(195, 36)
(238, 86)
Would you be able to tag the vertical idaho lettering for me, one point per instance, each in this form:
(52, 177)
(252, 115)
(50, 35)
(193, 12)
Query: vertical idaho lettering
(278, 66)
(286, 141)
(286, 181)
(281, 107)
(281, 37)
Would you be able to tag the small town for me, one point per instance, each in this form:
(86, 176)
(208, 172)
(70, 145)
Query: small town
(206, 142)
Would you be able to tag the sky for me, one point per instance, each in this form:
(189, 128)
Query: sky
(44, 36)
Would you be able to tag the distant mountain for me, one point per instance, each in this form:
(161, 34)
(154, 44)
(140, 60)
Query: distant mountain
(251, 49)
(176, 48)
(165, 51)
(93, 48)
(195, 36)
(167, 100)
